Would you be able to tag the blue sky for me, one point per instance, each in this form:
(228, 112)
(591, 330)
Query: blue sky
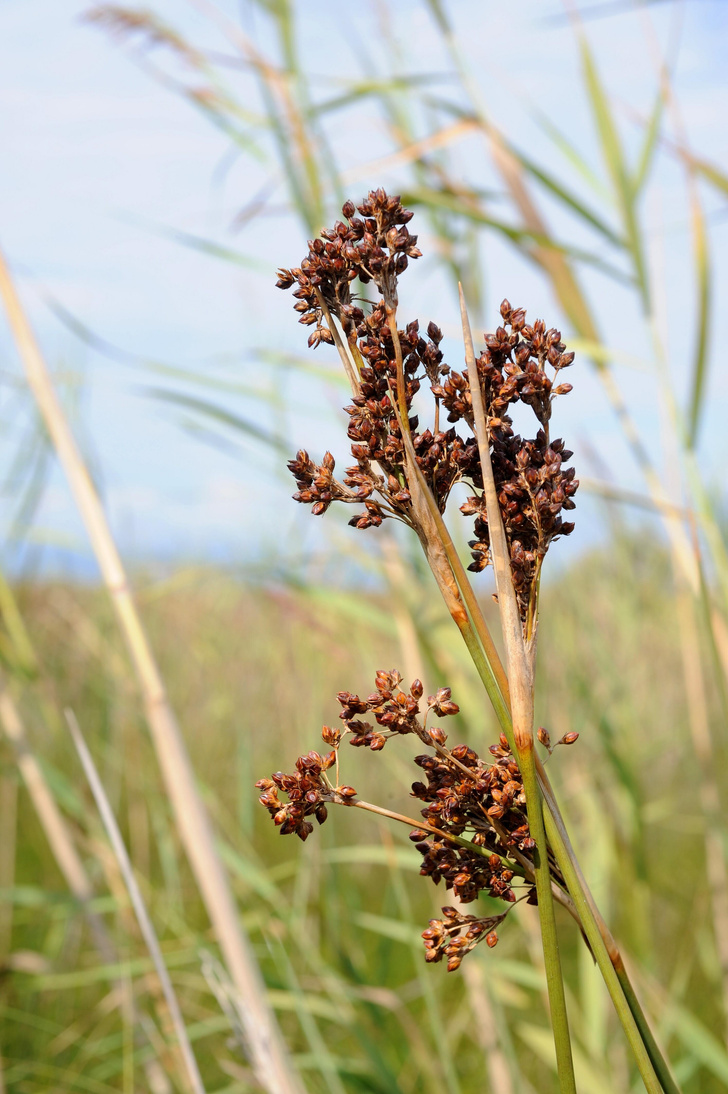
(98, 157)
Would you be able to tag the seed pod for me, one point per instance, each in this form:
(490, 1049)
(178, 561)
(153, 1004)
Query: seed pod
(331, 736)
(491, 939)
(417, 835)
(544, 737)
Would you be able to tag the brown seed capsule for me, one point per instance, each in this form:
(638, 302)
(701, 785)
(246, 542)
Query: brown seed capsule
(544, 737)
(438, 735)
(417, 689)
(491, 939)
(331, 736)
(569, 738)
(347, 792)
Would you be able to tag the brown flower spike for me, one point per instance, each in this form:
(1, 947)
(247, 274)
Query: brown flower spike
(474, 833)
(520, 363)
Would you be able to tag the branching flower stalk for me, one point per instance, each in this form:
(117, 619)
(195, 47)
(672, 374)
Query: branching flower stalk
(483, 824)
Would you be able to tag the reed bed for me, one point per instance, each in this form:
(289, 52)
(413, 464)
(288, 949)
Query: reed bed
(335, 923)
(633, 658)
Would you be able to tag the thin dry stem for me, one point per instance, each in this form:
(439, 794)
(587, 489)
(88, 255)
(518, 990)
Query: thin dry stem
(341, 346)
(145, 923)
(270, 1060)
(53, 823)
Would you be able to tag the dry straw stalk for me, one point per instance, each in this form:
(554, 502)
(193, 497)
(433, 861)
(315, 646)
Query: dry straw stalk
(267, 1051)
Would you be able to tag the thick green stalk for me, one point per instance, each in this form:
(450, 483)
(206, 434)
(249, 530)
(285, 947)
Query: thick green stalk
(562, 850)
(659, 1062)
(471, 627)
(520, 658)
(465, 610)
(547, 917)
(564, 858)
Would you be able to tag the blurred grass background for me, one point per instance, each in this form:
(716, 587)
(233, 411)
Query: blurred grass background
(632, 649)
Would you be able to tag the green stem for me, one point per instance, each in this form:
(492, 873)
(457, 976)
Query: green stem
(564, 849)
(520, 679)
(564, 858)
(468, 629)
(547, 917)
(479, 642)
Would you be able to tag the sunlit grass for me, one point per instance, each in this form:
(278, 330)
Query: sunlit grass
(254, 674)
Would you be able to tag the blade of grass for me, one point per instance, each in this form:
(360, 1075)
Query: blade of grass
(551, 183)
(650, 1061)
(220, 415)
(534, 242)
(8, 857)
(52, 821)
(649, 146)
(614, 158)
(145, 924)
(571, 153)
(704, 285)
(698, 716)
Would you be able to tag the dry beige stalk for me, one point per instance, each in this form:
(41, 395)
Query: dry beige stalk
(53, 823)
(518, 656)
(268, 1053)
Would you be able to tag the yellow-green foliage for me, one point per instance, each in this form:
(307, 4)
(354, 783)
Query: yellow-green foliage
(253, 673)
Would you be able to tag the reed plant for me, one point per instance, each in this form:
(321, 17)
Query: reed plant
(485, 824)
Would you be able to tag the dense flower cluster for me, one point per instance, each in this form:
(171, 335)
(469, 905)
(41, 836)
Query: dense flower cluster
(456, 934)
(307, 790)
(474, 835)
(532, 484)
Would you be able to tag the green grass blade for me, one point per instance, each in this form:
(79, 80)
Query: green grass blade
(704, 285)
(616, 164)
(204, 246)
(573, 156)
(524, 238)
(647, 155)
(220, 415)
(566, 197)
